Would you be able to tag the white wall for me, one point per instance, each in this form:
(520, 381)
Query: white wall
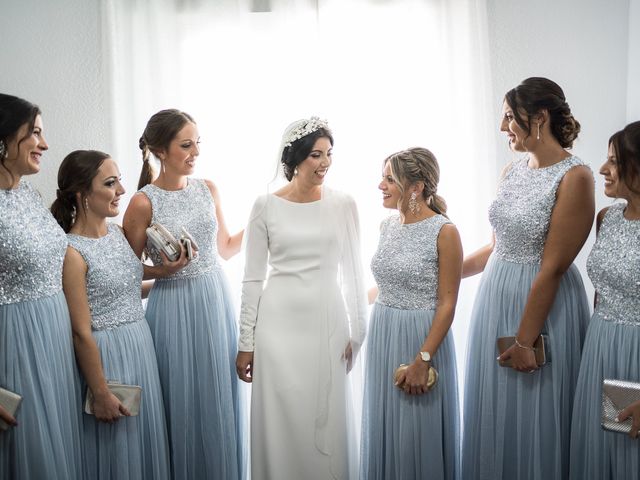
(633, 78)
(50, 54)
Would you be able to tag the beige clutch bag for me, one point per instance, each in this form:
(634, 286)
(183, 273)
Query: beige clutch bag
(431, 381)
(616, 396)
(129, 396)
(10, 401)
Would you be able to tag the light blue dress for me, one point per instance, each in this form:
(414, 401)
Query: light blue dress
(407, 437)
(611, 350)
(133, 447)
(36, 350)
(518, 425)
(193, 325)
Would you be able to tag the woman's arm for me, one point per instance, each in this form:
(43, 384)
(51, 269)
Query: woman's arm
(477, 261)
(106, 406)
(570, 224)
(449, 275)
(257, 254)
(228, 245)
(135, 222)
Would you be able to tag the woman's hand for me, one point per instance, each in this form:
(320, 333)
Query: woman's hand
(522, 359)
(632, 411)
(415, 378)
(4, 415)
(107, 408)
(347, 356)
(169, 267)
(244, 366)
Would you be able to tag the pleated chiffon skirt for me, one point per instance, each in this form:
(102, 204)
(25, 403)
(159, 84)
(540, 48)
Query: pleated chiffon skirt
(517, 425)
(407, 437)
(611, 351)
(195, 333)
(37, 362)
(133, 447)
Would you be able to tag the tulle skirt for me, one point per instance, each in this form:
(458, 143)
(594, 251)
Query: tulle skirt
(408, 437)
(611, 351)
(517, 425)
(133, 447)
(193, 325)
(37, 362)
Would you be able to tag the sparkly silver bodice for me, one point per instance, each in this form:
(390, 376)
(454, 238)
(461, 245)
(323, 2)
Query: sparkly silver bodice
(521, 213)
(405, 265)
(114, 278)
(614, 267)
(32, 247)
(193, 209)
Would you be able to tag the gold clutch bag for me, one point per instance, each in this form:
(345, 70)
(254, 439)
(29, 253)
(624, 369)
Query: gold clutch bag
(10, 401)
(431, 381)
(616, 396)
(129, 396)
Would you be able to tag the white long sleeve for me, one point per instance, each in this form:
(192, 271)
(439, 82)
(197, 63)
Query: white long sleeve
(256, 258)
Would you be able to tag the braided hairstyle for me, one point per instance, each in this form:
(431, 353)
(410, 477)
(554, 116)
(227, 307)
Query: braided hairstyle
(418, 165)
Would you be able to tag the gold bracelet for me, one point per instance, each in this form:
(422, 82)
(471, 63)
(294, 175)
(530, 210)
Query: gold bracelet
(518, 344)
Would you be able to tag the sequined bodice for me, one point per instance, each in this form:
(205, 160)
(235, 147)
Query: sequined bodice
(193, 209)
(32, 247)
(114, 279)
(405, 265)
(521, 213)
(614, 267)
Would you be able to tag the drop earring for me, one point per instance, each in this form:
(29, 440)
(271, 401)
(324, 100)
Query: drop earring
(538, 137)
(3, 149)
(295, 172)
(414, 208)
(86, 205)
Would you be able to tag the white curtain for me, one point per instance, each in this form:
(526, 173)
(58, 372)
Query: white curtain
(386, 74)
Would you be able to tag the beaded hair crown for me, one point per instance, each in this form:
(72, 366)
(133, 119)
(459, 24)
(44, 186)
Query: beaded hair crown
(302, 128)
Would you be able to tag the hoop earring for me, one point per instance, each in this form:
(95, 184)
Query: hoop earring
(414, 208)
(538, 136)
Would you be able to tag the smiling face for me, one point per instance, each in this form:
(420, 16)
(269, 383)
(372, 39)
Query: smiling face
(314, 168)
(106, 190)
(180, 156)
(518, 137)
(391, 194)
(25, 149)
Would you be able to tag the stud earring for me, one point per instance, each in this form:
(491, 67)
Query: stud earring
(295, 172)
(413, 204)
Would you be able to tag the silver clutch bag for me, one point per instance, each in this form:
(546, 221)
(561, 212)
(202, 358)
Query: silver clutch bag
(163, 241)
(129, 396)
(616, 396)
(10, 401)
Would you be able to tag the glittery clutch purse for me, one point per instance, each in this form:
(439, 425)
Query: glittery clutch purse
(431, 381)
(616, 396)
(10, 401)
(541, 350)
(163, 241)
(129, 396)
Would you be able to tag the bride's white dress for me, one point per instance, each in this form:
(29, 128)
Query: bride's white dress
(298, 328)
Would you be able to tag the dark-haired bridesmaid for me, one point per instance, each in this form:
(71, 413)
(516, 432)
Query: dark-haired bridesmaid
(102, 283)
(517, 418)
(612, 347)
(36, 352)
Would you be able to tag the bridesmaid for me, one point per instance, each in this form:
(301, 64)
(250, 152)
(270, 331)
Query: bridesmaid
(612, 346)
(414, 433)
(189, 309)
(518, 420)
(36, 352)
(102, 282)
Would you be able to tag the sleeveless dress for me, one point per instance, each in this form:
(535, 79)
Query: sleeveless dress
(298, 329)
(36, 350)
(133, 447)
(193, 325)
(517, 425)
(407, 437)
(611, 350)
